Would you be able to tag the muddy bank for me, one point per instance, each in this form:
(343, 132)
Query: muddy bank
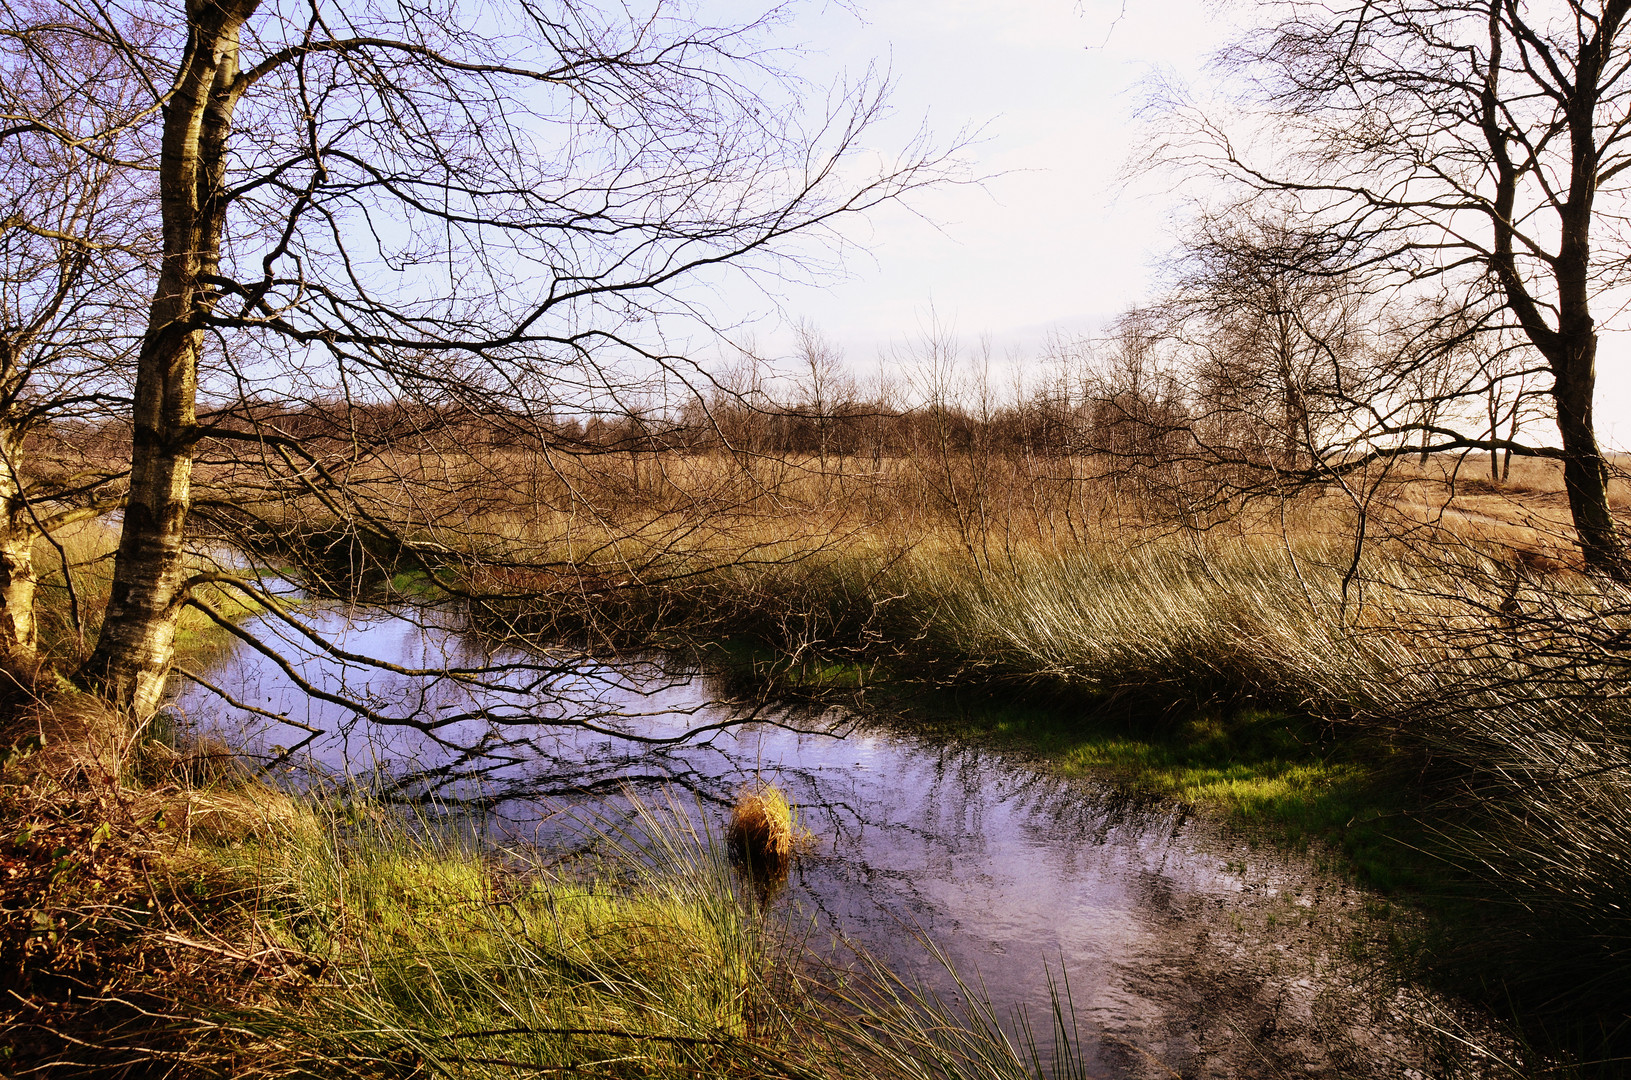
(1289, 973)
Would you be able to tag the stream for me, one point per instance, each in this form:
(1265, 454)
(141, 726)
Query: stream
(1190, 952)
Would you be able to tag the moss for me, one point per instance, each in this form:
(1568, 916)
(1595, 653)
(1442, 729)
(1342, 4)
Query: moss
(419, 584)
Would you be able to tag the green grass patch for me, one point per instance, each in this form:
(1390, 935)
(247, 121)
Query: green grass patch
(420, 584)
(472, 962)
(644, 957)
(1284, 778)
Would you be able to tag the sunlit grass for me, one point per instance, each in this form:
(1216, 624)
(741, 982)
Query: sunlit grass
(475, 963)
(644, 957)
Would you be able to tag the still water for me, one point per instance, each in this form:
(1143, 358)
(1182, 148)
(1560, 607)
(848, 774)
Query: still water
(1188, 951)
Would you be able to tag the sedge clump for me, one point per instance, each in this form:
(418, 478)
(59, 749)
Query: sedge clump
(763, 832)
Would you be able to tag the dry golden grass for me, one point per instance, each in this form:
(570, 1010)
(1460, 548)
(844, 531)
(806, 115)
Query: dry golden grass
(619, 546)
(65, 745)
(762, 831)
(619, 508)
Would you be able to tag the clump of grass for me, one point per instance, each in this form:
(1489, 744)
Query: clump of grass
(912, 1033)
(763, 830)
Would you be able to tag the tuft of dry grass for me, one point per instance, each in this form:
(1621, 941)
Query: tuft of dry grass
(762, 831)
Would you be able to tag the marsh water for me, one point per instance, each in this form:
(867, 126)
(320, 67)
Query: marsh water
(1188, 951)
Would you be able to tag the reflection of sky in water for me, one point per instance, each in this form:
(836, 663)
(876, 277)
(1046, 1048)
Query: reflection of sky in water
(1002, 866)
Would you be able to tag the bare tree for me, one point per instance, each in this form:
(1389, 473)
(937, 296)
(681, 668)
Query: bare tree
(1138, 423)
(1514, 396)
(827, 384)
(74, 249)
(1273, 326)
(485, 210)
(1481, 148)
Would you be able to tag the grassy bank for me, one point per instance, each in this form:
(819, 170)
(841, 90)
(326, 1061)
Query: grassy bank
(75, 575)
(162, 913)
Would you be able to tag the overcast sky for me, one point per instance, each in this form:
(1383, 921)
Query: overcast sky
(1054, 239)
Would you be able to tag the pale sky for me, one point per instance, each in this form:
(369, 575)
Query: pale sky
(1048, 240)
(1055, 239)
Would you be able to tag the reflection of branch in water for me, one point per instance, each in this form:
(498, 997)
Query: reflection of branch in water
(500, 767)
(558, 776)
(515, 727)
(510, 698)
(577, 792)
(542, 703)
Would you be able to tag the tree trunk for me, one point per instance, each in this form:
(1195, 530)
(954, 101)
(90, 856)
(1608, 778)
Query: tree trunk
(1585, 474)
(17, 627)
(134, 652)
(1511, 436)
(18, 638)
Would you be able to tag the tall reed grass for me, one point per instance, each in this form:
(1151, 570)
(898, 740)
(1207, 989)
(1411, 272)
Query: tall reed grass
(1161, 623)
(1492, 701)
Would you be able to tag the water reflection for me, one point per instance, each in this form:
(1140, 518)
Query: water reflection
(1004, 866)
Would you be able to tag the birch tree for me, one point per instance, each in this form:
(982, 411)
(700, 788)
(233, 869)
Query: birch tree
(494, 207)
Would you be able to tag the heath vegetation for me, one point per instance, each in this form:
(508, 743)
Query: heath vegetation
(302, 307)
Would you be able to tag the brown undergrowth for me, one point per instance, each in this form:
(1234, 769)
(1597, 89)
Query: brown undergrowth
(119, 935)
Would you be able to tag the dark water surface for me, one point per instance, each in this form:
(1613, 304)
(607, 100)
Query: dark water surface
(1188, 952)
